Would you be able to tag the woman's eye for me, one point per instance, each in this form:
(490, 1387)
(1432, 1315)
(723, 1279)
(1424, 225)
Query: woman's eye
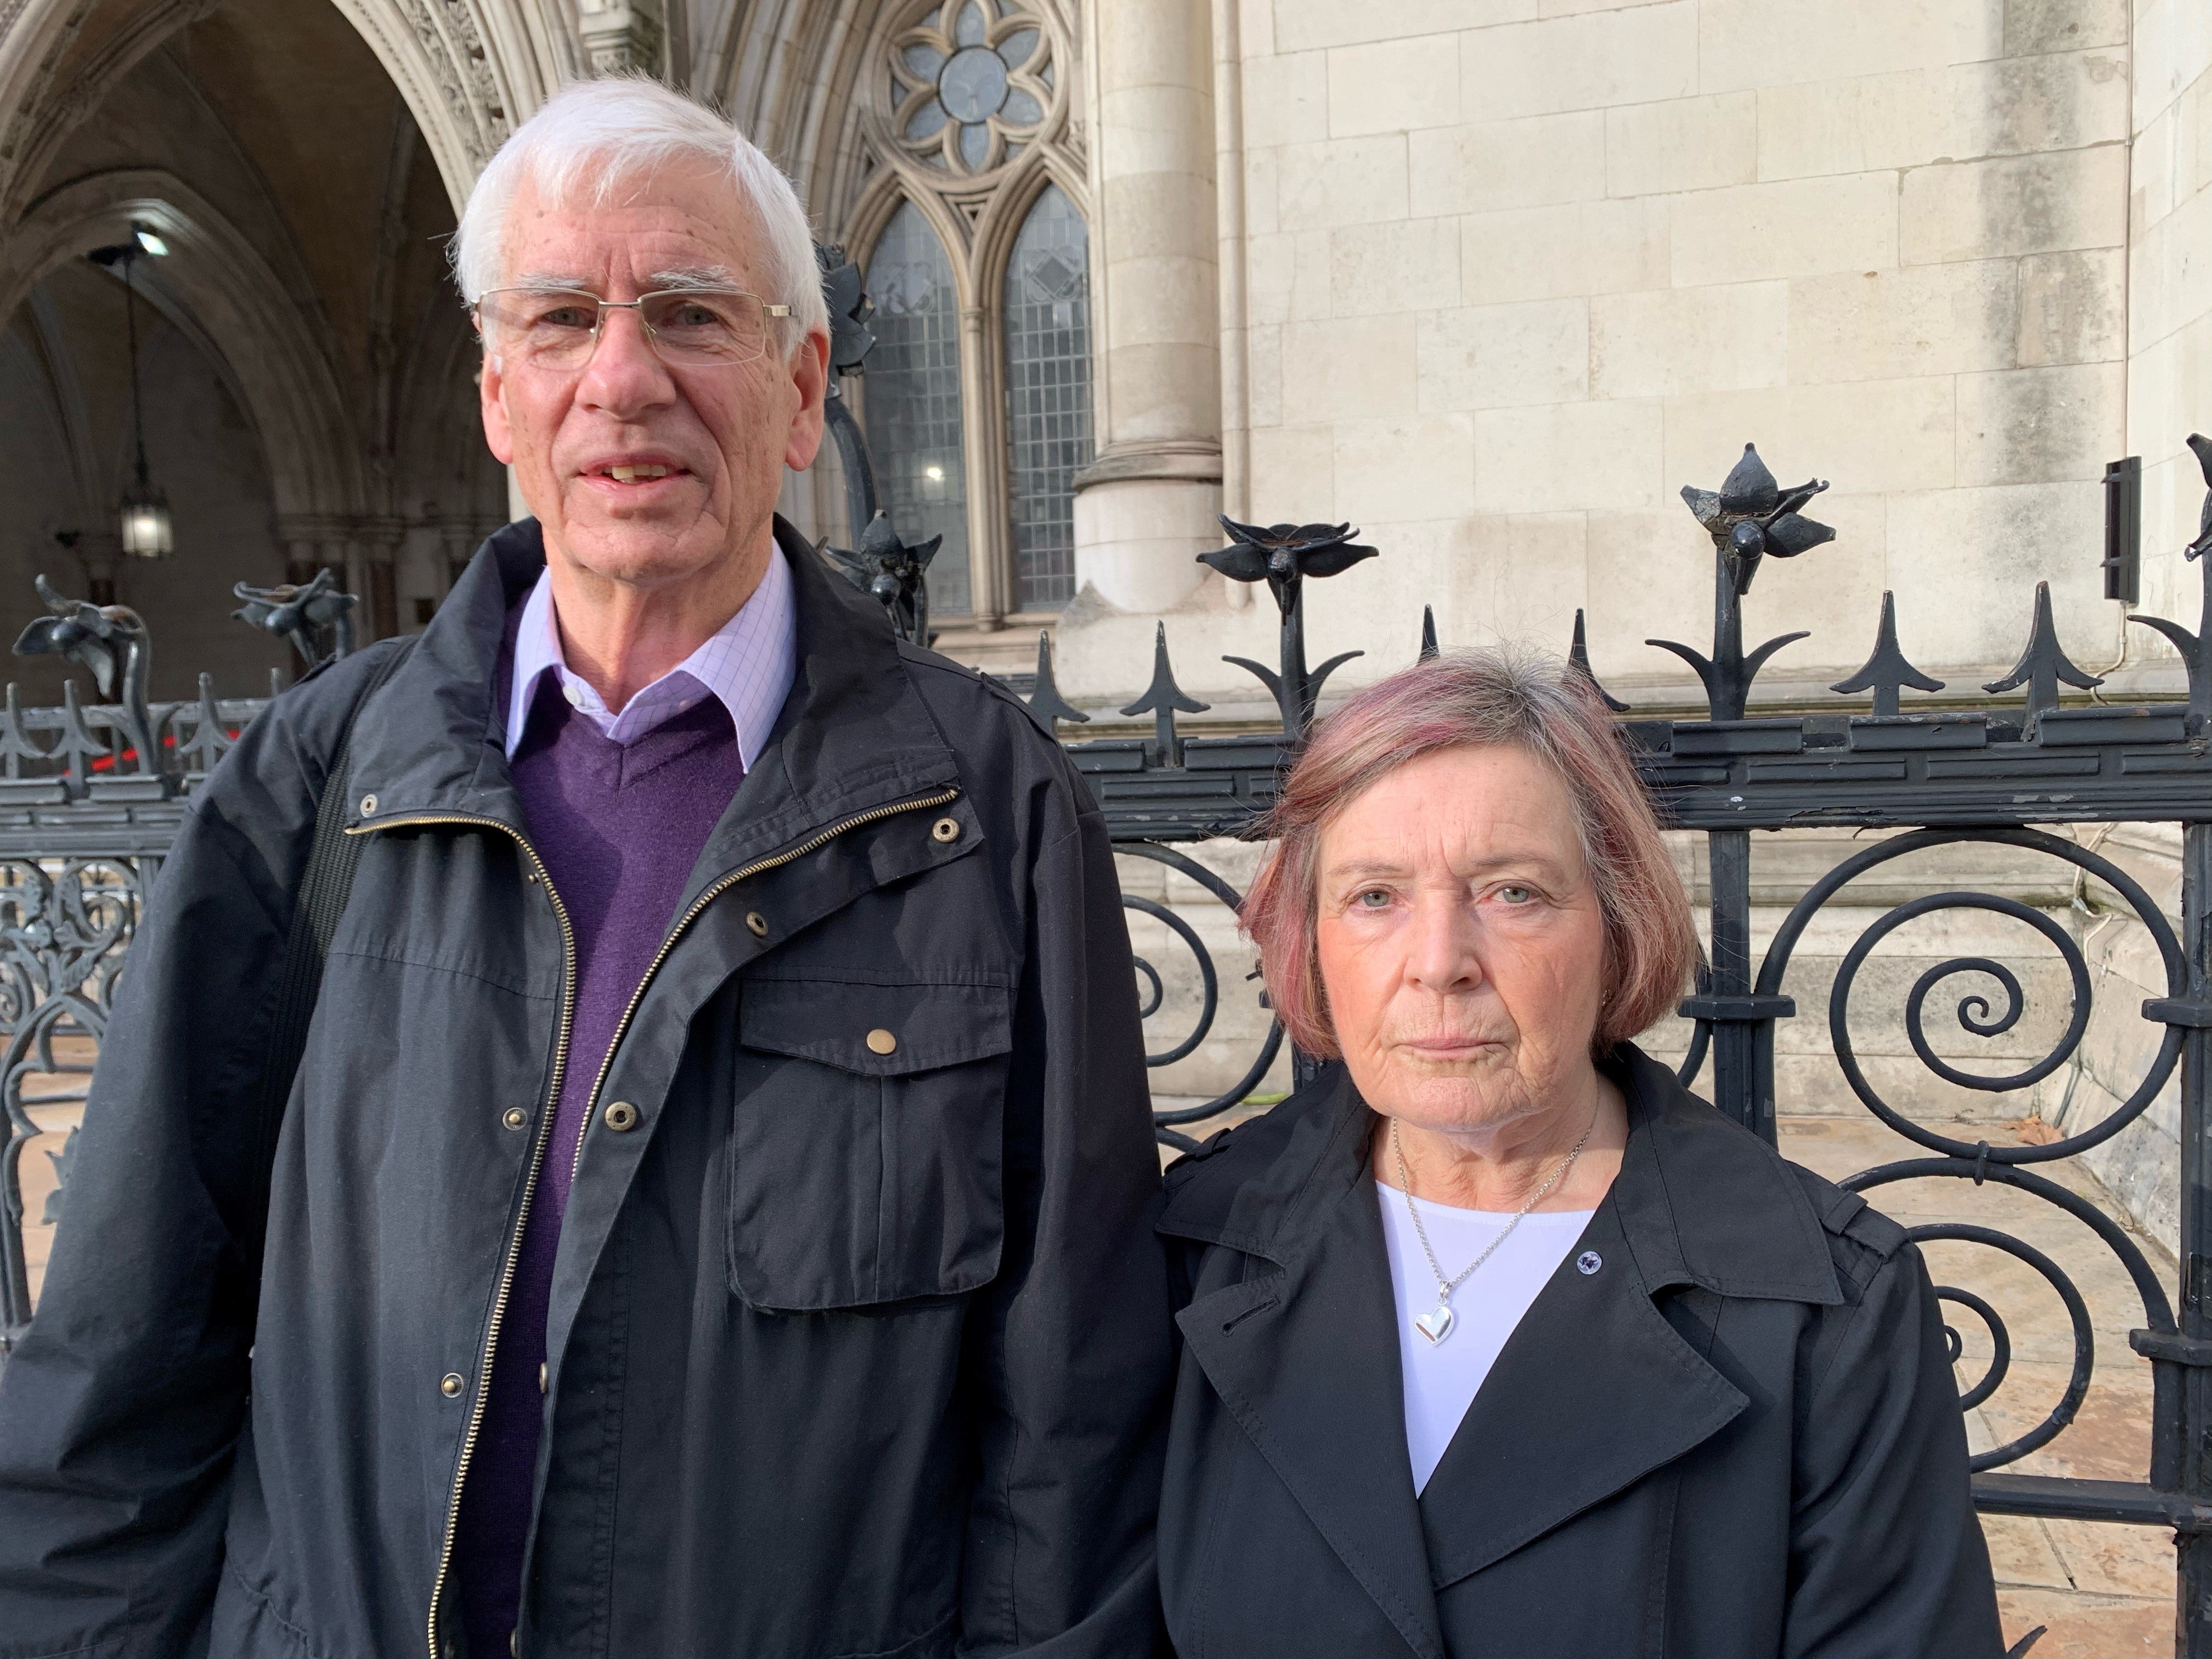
(1517, 895)
(1372, 898)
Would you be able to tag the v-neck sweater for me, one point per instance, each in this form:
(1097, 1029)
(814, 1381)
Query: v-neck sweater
(619, 827)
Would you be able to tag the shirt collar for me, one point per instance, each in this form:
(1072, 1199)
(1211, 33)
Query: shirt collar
(747, 663)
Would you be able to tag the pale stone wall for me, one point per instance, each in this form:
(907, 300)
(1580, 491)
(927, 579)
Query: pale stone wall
(1501, 276)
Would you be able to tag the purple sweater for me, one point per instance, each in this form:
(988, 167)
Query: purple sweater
(620, 828)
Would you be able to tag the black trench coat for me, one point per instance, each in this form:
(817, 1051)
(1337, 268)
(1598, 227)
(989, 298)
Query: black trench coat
(1738, 1438)
(849, 1352)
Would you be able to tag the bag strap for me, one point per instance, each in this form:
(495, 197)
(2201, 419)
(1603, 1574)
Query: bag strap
(320, 902)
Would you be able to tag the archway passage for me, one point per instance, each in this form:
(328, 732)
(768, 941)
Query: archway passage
(306, 369)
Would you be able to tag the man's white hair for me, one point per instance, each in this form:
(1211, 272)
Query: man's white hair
(593, 137)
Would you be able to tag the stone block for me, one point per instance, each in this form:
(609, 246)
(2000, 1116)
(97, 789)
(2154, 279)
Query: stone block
(1650, 576)
(1880, 435)
(1255, 29)
(1953, 549)
(1162, 387)
(2040, 26)
(2016, 204)
(1408, 466)
(1293, 469)
(1669, 341)
(1685, 144)
(1893, 323)
(1270, 274)
(2035, 425)
(1263, 375)
(1593, 61)
(1154, 129)
(1499, 356)
(2173, 44)
(1263, 170)
(1587, 247)
(1488, 164)
(1569, 455)
(1394, 86)
(1300, 24)
(1768, 43)
(1412, 265)
(1341, 181)
(2170, 272)
(2073, 307)
(1349, 368)
(1525, 576)
(1286, 98)
(1794, 228)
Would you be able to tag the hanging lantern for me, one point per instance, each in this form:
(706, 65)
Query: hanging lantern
(147, 533)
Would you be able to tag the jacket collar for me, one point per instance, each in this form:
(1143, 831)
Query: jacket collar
(1700, 1202)
(1596, 1390)
(853, 733)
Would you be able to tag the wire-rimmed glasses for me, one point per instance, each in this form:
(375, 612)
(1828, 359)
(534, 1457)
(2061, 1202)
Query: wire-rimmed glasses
(558, 328)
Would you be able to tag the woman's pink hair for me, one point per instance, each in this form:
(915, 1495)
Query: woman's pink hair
(1473, 699)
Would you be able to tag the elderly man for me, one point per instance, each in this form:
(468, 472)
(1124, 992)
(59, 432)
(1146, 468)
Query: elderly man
(712, 1215)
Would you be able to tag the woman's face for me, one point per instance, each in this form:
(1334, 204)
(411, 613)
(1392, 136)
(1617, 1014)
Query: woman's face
(1461, 944)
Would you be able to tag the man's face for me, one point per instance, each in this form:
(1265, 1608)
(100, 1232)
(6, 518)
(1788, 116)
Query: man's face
(723, 433)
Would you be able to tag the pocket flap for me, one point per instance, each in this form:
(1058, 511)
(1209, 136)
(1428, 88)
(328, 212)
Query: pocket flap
(875, 1029)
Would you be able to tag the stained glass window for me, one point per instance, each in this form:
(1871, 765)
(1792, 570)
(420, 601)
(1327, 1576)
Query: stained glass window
(912, 392)
(1048, 319)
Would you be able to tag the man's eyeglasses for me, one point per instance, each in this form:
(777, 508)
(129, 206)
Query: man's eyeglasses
(558, 329)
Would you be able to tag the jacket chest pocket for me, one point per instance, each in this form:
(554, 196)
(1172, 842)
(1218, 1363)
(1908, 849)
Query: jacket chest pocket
(866, 1149)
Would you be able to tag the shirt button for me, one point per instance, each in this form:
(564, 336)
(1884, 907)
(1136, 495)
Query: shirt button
(944, 830)
(881, 1041)
(451, 1385)
(757, 922)
(514, 1117)
(575, 695)
(1588, 1262)
(369, 807)
(621, 1117)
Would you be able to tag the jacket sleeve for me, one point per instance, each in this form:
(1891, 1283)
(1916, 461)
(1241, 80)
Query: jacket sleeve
(1069, 1349)
(1887, 1556)
(120, 1406)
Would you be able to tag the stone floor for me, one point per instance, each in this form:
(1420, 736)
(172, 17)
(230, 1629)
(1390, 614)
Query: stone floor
(2101, 1591)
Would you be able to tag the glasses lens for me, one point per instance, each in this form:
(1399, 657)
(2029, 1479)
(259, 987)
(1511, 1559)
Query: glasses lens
(703, 327)
(550, 327)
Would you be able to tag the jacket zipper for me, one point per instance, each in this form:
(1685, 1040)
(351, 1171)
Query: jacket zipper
(813, 843)
(529, 1185)
(714, 890)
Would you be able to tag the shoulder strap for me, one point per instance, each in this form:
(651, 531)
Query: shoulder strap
(320, 902)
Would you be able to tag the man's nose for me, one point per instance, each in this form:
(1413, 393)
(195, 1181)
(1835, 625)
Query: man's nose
(624, 376)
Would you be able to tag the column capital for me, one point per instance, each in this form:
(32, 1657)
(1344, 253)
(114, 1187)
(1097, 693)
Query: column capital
(1188, 460)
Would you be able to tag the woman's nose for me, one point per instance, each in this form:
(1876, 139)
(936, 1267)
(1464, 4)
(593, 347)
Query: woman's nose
(1444, 953)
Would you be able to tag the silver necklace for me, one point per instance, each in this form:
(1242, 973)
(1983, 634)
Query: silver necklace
(1436, 1325)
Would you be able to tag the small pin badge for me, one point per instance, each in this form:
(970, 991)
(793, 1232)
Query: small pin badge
(1588, 1262)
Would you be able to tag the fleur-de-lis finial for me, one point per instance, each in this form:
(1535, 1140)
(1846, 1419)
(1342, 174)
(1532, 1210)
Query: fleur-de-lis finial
(2042, 665)
(1887, 672)
(1164, 700)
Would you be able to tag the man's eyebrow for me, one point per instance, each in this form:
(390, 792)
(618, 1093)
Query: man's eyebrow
(687, 276)
(547, 282)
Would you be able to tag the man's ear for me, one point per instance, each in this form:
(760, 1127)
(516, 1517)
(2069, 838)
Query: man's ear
(491, 392)
(810, 383)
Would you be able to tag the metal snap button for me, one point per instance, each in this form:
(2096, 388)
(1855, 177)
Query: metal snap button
(541, 1376)
(514, 1117)
(1588, 1262)
(621, 1117)
(451, 1385)
(881, 1041)
(944, 830)
(368, 805)
(757, 922)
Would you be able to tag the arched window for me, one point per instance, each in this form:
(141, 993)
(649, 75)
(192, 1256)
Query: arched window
(1047, 320)
(977, 396)
(914, 428)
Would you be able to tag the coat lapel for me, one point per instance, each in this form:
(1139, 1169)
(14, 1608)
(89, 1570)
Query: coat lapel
(1307, 1363)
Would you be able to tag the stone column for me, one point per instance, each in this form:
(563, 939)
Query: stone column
(1144, 508)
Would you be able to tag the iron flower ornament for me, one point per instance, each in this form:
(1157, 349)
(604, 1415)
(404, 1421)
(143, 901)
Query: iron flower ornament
(1283, 556)
(1751, 517)
(892, 573)
(113, 641)
(301, 612)
(850, 308)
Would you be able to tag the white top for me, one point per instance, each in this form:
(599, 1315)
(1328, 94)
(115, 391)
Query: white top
(748, 662)
(1440, 1378)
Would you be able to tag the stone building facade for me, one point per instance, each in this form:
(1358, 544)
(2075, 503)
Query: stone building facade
(1490, 278)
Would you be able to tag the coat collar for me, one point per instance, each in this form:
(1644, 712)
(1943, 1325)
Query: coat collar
(1595, 1389)
(853, 733)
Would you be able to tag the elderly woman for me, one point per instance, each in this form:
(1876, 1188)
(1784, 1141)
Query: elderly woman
(1496, 1340)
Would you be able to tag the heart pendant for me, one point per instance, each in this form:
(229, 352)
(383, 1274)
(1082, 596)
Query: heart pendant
(1436, 1325)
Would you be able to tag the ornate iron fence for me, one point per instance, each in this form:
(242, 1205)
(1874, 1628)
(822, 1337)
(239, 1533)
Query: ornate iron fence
(90, 798)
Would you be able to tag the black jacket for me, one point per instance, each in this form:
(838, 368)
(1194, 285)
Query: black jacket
(850, 1353)
(1738, 1438)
